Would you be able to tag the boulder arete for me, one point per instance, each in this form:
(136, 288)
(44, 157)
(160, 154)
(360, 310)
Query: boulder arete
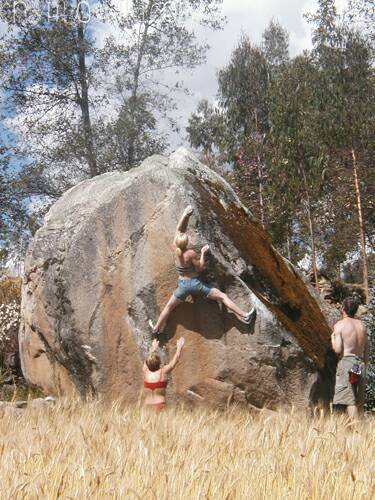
(102, 264)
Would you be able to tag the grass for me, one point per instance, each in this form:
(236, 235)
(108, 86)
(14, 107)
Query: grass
(92, 451)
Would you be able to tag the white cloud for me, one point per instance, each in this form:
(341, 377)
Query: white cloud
(3, 28)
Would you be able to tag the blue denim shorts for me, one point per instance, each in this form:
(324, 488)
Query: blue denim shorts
(193, 286)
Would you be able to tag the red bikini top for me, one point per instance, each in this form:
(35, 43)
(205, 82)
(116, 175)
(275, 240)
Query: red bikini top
(160, 384)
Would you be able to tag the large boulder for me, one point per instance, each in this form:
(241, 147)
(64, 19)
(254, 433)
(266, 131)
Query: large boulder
(102, 264)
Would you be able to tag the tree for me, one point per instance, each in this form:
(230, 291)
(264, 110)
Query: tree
(243, 92)
(206, 126)
(370, 375)
(54, 69)
(12, 212)
(298, 159)
(47, 75)
(157, 36)
(346, 100)
(275, 45)
(238, 128)
(79, 109)
(298, 138)
(137, 126)
(243, 87)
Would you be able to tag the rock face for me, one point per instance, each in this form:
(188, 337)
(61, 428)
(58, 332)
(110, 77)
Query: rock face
(102, 264)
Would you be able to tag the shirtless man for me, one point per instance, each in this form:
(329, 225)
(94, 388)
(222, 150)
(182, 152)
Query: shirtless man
(350, 342)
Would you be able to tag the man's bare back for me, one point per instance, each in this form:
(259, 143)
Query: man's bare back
(350, 343)
(354, 337)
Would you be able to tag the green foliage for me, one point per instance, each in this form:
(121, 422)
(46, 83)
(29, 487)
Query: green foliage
(370, 387)
(158, 36)
(293, 123)
(275, 44)
(243, 93)
(205, 127)
(10, 299)
(12, 212)
(128, 140)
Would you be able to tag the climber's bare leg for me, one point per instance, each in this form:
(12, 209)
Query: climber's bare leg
(172, 303)
(219, 296)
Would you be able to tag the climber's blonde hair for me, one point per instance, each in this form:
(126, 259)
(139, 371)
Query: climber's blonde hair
(181, 242)
(153, 362)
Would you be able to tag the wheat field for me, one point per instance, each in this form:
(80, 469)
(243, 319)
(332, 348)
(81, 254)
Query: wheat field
(78, 450)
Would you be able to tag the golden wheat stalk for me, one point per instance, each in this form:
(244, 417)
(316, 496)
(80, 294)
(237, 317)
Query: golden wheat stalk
(93, 451)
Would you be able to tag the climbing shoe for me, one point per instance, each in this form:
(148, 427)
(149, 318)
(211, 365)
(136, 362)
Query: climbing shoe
(151, 325)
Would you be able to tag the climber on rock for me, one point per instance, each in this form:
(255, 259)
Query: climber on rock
(189, 265)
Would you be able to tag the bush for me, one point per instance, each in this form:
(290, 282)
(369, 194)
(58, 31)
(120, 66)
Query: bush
(370, 320)
(341, 290)
(10, 298)
(10, 290)
(9, 326)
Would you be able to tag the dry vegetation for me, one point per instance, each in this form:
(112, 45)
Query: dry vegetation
(84, 451)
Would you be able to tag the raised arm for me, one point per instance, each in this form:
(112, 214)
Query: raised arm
(184, 220)
(199, 262)
(169, 367)
(336, 338)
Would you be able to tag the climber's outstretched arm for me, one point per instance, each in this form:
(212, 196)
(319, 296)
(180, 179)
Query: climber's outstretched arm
(184, 221)
(199, 262)
(169, 367)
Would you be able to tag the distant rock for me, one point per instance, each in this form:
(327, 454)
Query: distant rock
(40, 402)
(17, 407)
(20, 404)
(10, 410)
(102, 264)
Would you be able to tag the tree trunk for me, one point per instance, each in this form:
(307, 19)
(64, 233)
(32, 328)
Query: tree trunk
(361, 224)
(313, 245)
(289, 253)
(311, 223)
(260, 173)
(206, 157)
(84, 102)
(133, 104)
